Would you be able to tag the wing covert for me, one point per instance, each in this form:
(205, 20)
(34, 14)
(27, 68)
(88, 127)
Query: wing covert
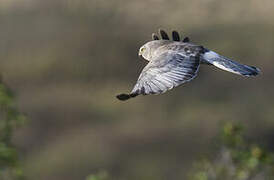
(165, 72)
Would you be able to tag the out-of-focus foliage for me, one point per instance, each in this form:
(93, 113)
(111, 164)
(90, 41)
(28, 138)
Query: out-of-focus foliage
(10, 118)
(102, 175)
(237, 160)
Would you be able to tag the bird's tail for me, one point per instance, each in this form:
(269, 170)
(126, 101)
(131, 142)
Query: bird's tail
(226, 64)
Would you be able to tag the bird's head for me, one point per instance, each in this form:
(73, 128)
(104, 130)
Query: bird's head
(144, 51)
(147, 50)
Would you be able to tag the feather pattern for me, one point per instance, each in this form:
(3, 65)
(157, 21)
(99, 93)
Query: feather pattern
(165, 72)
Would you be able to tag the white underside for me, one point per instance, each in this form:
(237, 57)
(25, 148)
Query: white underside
(213, 57)
(215, 63)
(210, 55)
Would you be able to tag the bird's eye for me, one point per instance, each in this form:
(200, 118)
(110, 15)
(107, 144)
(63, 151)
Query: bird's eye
(143, 49)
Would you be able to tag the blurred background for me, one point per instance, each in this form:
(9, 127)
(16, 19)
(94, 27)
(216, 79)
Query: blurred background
(66, 60)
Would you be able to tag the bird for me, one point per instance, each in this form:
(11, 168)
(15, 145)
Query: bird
(172, 62)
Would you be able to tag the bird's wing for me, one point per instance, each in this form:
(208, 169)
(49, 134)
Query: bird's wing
(167, 71)
(226, 64)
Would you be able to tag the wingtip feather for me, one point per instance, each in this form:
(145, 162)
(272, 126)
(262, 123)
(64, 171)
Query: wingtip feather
(186, 39)
(175, 36)
(163, 34)
(123, 97)
(154, 37)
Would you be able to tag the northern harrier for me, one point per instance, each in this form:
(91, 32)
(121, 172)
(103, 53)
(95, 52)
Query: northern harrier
(174, 62)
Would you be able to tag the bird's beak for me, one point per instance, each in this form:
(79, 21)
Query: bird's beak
(139, 54)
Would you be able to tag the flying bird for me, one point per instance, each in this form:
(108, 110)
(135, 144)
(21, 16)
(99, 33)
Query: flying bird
(174, 62)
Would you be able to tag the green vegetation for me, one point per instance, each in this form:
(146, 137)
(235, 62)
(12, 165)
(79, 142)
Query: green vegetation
(237, 160)
(102, 175)
(10, 118)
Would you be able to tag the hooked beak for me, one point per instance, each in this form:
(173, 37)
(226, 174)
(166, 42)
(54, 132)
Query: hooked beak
(139, 54)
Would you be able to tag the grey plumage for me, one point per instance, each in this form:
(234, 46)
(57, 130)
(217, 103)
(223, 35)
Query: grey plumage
(174, 62)
(166, 71)
(229, 65)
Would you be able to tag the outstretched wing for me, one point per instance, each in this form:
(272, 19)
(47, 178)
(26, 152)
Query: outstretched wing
(165, 72)
(226, 64)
